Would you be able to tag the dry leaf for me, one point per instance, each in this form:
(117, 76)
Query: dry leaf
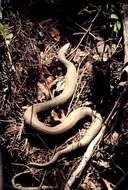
(114, 137)
(100, 47)
(55, 34)
(103, 51)
(108, 184)
(58, 117)
(42, 57)
(8, 39)
(78, 55)
(113, 48)
(11, 128)
(50, 80)
(42, 91)
(60, 84)
(103, 163)
(88, 184)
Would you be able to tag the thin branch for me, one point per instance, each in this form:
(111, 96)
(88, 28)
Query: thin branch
(88, 30)
(87, 155)
(90, 33)
(92, 146)
(20, 187)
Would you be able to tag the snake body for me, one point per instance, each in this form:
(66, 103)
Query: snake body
(90, 134)
(31, 114)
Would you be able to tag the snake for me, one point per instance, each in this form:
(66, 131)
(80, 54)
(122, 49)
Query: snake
(31, 114)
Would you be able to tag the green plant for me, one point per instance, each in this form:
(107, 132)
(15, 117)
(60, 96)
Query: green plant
(114, 20)
(4, 32)
(89, 9)
(115, 24)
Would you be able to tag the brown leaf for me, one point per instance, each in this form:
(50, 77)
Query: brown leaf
(103, 51)
(108, 184)
(60, 83)
(103, 163)
(55, 34)
(42, 91)
(42, 57)
(50, 79)
(114, 137)
(78, 55)
(58, 117)
(88, 184)
(12, 128)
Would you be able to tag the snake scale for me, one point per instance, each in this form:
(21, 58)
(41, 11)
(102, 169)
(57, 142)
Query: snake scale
(31, 114)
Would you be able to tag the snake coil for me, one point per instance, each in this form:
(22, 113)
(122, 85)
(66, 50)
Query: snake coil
(31, 114)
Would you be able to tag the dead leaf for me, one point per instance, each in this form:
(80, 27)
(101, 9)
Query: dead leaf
(114, 138)
(9, 39)
(12, 128)
(100, 47)
(79, 55)
(88, 67)
(113, 48)
(60, 84)
(55, 34)
(42, 57)
(102, 51)
(88, 184)
(108, 184)
(58, 117)
(50, 80)
(103, 163)
(42, 91)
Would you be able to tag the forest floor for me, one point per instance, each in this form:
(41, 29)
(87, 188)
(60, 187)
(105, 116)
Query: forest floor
(31, 73)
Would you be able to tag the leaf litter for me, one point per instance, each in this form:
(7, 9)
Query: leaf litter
(37, 76)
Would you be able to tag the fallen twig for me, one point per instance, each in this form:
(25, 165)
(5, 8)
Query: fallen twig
(91, 148)
(74, 94)
(84, 29)
(21, 128)
(86, 32)
(125, 30)
(87, 155)
(20, 187)
(89, 135)
(124, 76)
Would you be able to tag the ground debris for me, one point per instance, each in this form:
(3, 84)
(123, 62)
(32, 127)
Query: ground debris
(31, 73)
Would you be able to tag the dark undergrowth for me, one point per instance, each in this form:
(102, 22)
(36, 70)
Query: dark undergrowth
(30, 73)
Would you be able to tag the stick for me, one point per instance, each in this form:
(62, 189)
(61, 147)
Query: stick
(124, 76)
(20, 187)
(87, 155)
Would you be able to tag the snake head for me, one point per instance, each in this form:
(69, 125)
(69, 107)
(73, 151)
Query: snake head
(63, 51)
